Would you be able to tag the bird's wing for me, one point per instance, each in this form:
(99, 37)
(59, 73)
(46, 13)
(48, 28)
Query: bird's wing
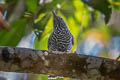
(72, 40)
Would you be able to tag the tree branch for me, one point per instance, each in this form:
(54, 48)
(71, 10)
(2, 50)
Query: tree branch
(57, 64)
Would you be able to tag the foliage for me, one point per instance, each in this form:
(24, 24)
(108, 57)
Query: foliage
(77, 15)
(13, 37)
(30, 4)
(71, 16)
(115, 4)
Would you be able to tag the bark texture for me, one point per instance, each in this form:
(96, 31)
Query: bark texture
(26, 60)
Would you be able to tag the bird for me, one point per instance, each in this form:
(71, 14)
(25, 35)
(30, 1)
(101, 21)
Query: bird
(61, 39)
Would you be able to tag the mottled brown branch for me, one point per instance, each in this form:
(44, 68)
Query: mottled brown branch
(55, 64)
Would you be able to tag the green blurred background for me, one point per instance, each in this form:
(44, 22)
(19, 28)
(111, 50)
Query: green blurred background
(31, 21)
(94, 24)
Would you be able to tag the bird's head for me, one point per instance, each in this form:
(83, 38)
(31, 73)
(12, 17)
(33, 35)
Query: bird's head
(58, 22)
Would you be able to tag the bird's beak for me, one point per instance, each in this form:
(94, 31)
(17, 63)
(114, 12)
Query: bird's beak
(54, 15)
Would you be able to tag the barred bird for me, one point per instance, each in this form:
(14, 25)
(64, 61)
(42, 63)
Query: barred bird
(61, 39)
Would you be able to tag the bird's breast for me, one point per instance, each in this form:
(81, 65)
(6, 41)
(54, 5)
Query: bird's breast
(64, 38)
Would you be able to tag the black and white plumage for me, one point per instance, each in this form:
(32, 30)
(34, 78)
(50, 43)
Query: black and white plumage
(61, 39)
